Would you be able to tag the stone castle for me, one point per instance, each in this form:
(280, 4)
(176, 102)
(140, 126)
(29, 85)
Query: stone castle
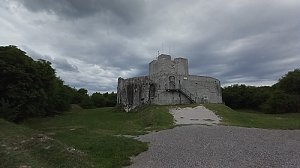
(168, 83)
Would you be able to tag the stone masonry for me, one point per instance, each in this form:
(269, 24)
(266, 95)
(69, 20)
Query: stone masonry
(168, 83)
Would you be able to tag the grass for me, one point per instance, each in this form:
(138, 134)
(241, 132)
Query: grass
(81, 138)
(21, 147)
(254, 119)
(93, 138)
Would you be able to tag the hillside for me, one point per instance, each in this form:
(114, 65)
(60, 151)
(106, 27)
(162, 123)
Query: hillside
(22, 146)
(80, 138)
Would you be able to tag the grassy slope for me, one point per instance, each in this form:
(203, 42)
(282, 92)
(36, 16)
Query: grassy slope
(87, 138)
(21, 146)
(94, 132)
(246, 118)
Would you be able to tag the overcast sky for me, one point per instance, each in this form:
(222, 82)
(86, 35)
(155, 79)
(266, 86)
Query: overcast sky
(93, 42)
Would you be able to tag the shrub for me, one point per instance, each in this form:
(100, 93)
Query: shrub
(281, 102)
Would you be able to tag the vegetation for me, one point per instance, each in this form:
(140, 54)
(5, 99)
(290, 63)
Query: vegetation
(80, 138)
(89, 137)
(30, 88)
(104, 100)
(251, 118)
(22, 147)
(96, 100)
(290, 83)
(283, 97)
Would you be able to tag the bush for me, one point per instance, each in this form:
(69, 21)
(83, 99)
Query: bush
(290, 83)
(104, 100)
(87, 103)
(282, 97)
(281, 102)
(242, 96)
(29, 88)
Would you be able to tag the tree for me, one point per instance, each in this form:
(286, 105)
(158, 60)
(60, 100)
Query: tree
(290, 83)
(104, 100)
(21, 87)
(79, 95)
(281, 102)
(29, 88)
(282, 97)
(86, 103)
(98, 100)
(111, 99)
(242, 96)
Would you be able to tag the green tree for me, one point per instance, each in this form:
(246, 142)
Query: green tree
(79, 95)
(87, 103)
(282, 97)
(98, 99)
(290, 83)
(29, 88)
(111, 99)
(281, 102)
(242, 96)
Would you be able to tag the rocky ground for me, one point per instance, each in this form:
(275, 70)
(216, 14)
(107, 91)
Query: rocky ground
(196, 115)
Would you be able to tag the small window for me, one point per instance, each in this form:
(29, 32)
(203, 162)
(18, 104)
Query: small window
(172, 78)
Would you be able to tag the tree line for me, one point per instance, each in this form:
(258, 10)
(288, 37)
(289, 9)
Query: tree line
(30, 88)
(282, 97)
(96, 100)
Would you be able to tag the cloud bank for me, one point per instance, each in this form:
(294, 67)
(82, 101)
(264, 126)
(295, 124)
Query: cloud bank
(91, 43)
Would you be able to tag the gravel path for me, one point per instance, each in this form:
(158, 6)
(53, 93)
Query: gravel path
(220, 146)
(196, 115)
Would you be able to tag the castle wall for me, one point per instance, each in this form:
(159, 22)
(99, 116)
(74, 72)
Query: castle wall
(170, 98)
(164, 65)
(181, 66)
(205, 89)
(133, 92)
(202, 89)
(168, 83)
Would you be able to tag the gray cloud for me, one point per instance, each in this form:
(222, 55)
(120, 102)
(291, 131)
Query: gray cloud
(74, 9)
(64, 65)
(92, 43)
(58, 63)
